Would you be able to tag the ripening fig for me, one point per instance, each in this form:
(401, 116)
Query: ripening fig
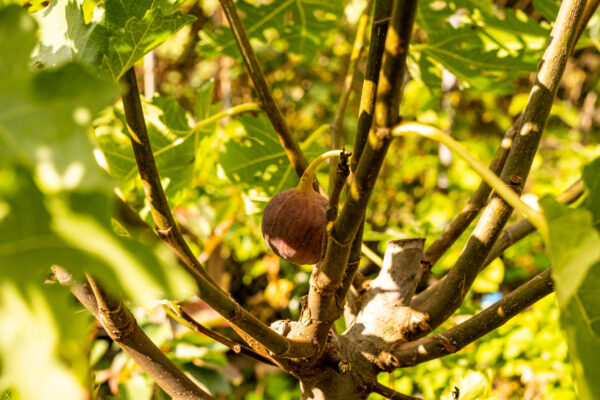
(293, 222)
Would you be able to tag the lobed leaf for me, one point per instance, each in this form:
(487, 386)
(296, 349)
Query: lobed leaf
(302, 24)
(482, 46)
(174, 143)
(255, 159)
(119, 33)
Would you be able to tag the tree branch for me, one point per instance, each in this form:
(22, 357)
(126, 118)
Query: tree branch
(290, 146)
(462, 221)
(338, 120)
(325, 300)
(446, 296)
(452, 340)
(381, 20)
(122, 327)
(481, 195)
(168, 231)
(341, 174)
(186, 320)
(389, 393)
(590, 9)
(522, 228)
(386, 316)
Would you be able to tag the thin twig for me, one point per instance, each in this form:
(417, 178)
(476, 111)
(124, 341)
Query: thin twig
(186, 320)
(338, 120)
(169, 232)
(342, 172)
(454, 339)
(442, 299)
(122, 327)
(371, 255)
(390, 393)
(290, 146)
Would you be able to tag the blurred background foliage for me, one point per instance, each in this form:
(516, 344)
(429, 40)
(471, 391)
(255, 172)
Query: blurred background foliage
(471, 67)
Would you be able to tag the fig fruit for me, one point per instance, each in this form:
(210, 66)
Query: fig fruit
(293, 222)
(293, 225)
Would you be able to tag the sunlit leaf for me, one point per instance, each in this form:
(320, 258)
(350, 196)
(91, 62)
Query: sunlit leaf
(42, 323)
(483, 47)
(575, 249)
(119, 34)
(173, 142)
(44, 114)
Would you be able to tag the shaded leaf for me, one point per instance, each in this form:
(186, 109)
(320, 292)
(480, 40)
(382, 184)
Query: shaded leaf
(591, 177)
(254, 158)
(303, 24)
(547, 8)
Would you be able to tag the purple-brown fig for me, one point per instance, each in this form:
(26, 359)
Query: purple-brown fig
(293, 225)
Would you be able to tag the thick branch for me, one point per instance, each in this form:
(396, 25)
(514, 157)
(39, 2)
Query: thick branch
(338, 120)
(124, 330)
(290, 146)
(324, 299)
(386, 316)
(397, 278)
(446, 296)
(169, 232)
(452, 340)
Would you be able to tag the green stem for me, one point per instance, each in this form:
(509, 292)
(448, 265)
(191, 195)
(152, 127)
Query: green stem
(242, 108)
(315, 135)
(308, 176)
(535, 217)
(371, 255)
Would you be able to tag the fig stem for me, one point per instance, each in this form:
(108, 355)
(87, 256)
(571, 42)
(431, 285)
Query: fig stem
(305, 184)
(535, 217)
